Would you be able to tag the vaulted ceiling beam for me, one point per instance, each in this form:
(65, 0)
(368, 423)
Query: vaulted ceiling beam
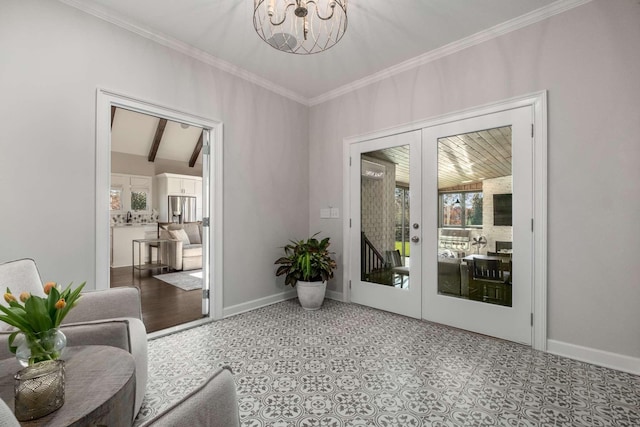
(156, 140)
(196, 151)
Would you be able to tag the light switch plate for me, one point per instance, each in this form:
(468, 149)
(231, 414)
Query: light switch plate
(325, 213)
(335, 213)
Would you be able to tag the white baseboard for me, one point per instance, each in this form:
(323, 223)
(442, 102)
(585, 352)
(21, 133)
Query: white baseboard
(258, 303)
(597, 357)
(334, 295)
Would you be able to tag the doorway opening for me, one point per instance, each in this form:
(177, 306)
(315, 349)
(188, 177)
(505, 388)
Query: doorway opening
(158, 209)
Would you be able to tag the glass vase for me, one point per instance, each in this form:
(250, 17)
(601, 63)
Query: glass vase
(39, 347)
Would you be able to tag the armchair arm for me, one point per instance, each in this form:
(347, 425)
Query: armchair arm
(213, 404)
(114, 333)
(175, 254)
(107, 304)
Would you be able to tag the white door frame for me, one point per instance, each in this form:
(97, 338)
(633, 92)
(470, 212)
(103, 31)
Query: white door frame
(538, 101)
(104, 100)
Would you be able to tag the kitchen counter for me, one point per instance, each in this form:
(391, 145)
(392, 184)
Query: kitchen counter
(122, 237)
(135, 224)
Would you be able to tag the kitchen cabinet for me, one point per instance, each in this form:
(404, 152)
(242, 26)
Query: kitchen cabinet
(122, 238)
(177, 186)
(168, 184)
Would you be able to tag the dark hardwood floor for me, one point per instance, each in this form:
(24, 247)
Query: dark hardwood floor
(163, 305)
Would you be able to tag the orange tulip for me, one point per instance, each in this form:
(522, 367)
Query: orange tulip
(9, 297)
(25, 296)
(48, 286)
(61, 304)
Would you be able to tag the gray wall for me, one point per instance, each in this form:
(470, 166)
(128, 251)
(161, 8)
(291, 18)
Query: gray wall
(589, 60)
(52, 59)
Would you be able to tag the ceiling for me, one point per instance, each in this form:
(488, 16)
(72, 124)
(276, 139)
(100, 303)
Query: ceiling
(462, 159)
(381, 34)
(134, 133)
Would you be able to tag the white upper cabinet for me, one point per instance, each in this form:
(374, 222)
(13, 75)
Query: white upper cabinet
(180, 185)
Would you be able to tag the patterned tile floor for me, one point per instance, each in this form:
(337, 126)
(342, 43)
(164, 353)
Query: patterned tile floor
(353, 366)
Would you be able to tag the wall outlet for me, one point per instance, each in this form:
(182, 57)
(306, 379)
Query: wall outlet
(335, 213)
(325, 213)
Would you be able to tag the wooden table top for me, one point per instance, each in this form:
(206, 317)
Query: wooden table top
(99, 388)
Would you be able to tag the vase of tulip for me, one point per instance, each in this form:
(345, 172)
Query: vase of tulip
(38, 344)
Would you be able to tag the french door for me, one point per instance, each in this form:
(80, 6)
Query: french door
(441, 223)
(386, 234)
(477, 212)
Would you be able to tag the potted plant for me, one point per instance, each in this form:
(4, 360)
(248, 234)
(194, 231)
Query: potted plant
(307, 265)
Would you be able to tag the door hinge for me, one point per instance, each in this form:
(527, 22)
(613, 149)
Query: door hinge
(205, 222)
(205, 294)
(349, 222)
(206, 149)
(532, 225)
(531, 130)
(349, 160)
(531, 319)
(349, 284)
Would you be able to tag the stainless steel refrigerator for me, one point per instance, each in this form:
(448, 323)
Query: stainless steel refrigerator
(182, 209)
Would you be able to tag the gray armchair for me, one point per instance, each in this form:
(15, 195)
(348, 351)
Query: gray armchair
(112, 317)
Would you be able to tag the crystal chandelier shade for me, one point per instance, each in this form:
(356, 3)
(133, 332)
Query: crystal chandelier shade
(300, 26)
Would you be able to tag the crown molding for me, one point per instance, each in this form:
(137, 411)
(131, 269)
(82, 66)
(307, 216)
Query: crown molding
(185, 49)
(451, 48)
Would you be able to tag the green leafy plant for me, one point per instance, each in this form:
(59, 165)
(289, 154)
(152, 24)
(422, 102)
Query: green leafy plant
(37, 315)
(307, 260)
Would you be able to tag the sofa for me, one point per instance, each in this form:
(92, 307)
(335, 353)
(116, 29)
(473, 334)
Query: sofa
(112, 317)
(185, 244)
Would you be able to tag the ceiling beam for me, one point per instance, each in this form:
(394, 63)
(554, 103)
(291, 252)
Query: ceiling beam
(196, 151)
(156, 140)
(113, 114)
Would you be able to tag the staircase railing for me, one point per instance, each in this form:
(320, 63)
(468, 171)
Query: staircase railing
(370, 258)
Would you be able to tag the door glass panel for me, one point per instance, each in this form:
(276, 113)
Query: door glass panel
(384, 216)
(475, 232)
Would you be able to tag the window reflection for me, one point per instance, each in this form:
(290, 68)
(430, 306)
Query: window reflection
(384, 218)
(472, 168)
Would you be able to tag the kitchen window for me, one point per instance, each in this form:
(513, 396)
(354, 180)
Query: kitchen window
(461, 209)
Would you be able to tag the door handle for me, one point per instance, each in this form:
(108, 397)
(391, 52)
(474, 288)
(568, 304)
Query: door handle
(415, 239)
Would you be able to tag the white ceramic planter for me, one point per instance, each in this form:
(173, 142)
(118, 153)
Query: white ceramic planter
(311, 294)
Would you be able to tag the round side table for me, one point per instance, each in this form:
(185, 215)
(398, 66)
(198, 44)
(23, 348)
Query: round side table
(99, 388)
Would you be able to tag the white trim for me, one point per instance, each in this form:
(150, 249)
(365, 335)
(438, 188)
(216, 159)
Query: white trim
(594, 356)
(334, 295)
(184, 48)
(178, 328)
(104, 100)
(456, 46)
(451, 48)
(260, 302)
(538, 101)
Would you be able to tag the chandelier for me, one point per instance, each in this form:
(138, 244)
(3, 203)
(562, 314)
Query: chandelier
(300, 26)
